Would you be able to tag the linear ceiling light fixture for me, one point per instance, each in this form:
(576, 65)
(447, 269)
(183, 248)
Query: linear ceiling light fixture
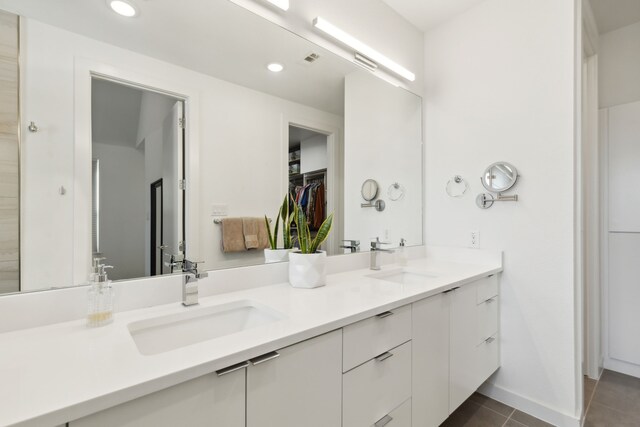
(335, 32)
(282, 4)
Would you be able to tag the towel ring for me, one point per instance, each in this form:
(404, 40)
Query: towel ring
(395, 192)
(457, 186)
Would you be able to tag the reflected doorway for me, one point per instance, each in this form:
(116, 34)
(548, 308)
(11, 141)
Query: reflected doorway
(156, 247)
(308, 164)
(138, 141)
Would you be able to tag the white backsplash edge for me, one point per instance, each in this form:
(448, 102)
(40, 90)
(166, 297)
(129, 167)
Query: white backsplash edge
(34, 309)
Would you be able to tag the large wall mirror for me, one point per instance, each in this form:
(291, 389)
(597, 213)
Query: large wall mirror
(149, 131)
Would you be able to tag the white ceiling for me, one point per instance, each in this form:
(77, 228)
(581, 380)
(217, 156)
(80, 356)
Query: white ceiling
(613, 14)
(297, 134)
(210, 37)
(115, 113)
(426, 14)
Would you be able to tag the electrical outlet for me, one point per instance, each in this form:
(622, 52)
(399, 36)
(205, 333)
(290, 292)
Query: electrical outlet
(219, 209)
(475, 240)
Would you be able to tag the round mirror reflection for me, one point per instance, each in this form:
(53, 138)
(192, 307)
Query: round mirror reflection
(369, 190)
(499, 177)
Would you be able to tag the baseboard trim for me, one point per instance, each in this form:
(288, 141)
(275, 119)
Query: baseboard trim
(622, 367)
(529, 406)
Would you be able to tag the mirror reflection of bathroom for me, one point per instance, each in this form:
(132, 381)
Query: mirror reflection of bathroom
(138, 204)
(308, 163)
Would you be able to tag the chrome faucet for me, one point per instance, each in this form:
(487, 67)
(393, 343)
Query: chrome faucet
(352, 245)
(376, 246)
(190, 282)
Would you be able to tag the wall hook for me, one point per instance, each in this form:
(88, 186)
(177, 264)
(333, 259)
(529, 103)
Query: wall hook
(32, 127)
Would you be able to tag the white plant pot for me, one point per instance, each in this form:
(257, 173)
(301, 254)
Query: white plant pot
(276, 255)
(308, 270)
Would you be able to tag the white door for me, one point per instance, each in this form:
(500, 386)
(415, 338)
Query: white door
(172, 174)
(431, 360)
(464, 337)
(624, 238)
(300, 385)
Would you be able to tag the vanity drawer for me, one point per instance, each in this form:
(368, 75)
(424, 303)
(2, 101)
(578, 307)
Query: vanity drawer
(377, 388)
(487, 319)
(399, 417)
(488, 358)
(487, 288)
(368, 338)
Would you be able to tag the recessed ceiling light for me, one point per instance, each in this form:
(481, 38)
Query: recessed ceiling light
(275, 67)
(123, 8)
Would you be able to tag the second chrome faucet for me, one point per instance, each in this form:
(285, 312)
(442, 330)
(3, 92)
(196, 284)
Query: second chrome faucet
(376, 247)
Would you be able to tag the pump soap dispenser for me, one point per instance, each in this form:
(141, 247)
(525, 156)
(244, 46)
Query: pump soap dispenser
(100, 304)
(403, 257)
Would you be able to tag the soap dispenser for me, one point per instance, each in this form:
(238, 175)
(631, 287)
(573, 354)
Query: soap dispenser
(100, 303)
(402, 253)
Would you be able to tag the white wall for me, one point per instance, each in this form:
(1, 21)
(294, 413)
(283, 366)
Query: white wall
(619, 66)
(122, 209)
(241, 144)
(500, 86)
(313, 154)
(384, 142)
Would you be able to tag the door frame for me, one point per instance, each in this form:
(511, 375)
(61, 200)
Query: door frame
(592, 187)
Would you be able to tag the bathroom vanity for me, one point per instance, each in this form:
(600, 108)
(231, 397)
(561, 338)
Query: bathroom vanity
(370, 348)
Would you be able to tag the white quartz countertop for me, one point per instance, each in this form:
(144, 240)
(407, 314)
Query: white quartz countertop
(57, 373)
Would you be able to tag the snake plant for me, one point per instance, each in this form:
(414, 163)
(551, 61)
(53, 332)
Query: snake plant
(287, 219)
(305, 242)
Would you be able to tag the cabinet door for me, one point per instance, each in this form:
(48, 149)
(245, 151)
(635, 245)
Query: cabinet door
(297, 386)
(205, 401)
(464, 337)
(431, 360)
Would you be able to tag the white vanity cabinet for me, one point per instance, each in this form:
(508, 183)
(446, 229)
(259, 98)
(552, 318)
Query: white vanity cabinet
(204, 401)
(297, 386)
(412, 365)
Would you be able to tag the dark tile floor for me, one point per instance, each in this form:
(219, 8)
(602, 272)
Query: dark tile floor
(482, 411)
(613, 401)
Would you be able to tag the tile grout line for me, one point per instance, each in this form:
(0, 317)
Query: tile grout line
(509, 417)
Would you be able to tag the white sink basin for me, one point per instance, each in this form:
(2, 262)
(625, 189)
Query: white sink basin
(198, 324)
(404, 276)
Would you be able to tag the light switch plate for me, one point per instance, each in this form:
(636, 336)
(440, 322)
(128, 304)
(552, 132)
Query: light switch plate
(219, 209)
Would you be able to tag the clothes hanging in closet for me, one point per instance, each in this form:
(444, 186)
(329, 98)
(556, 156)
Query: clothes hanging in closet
(311, 199)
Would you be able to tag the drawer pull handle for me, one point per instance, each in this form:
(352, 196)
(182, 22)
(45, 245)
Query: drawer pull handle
(451, 290)
(490, 300)
(383, 421)
(384, 314)
(264, 358)
(384, 356)
(232, 368)
(489, 340)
